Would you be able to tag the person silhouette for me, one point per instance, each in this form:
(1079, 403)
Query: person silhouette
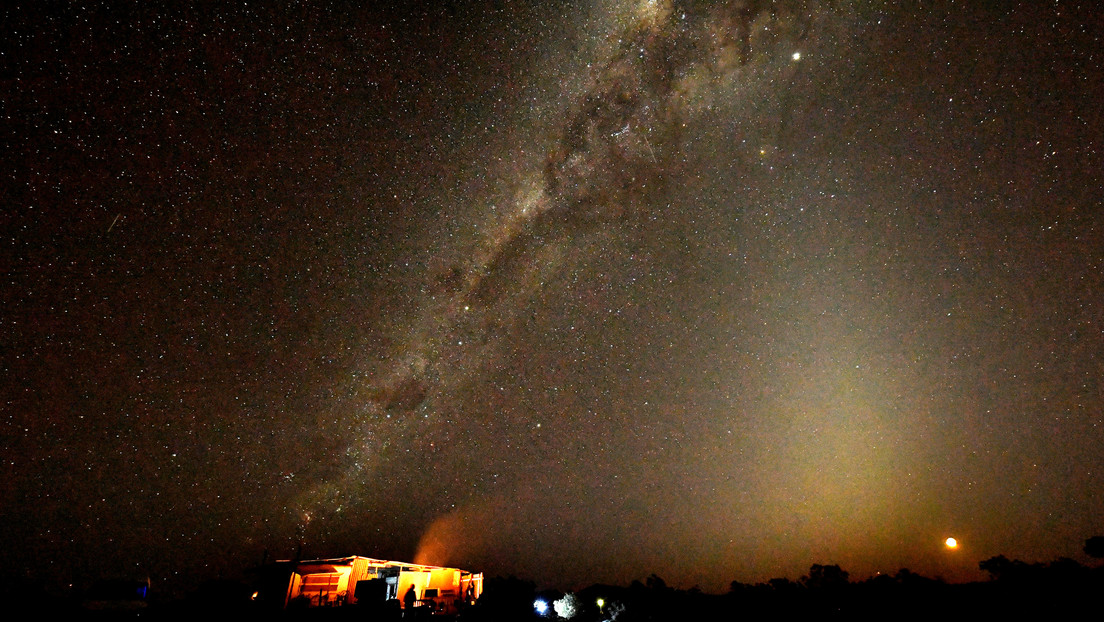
(409, 599)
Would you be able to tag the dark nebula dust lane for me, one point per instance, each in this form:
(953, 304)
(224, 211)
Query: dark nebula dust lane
(603, 190)
(579, 292)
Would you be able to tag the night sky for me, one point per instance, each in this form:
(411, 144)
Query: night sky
(575, 291)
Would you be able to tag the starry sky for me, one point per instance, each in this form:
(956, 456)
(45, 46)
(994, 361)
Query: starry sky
(577, 291)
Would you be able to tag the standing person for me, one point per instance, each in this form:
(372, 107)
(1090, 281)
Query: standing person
(409, 599)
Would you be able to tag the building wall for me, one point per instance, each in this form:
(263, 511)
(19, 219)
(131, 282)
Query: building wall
(333, 583)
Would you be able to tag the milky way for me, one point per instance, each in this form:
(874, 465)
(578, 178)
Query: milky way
(605, 183)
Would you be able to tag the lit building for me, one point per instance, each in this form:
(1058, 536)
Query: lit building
(366, 581)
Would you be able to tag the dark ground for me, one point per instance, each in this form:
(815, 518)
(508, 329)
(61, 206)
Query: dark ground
(1060, 588)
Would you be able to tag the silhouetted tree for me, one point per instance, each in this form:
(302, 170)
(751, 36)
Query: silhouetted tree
(904, 575)
(655, 582)
(909, 578)
(997, 567)
(1000, 568)
(825, 577)
(1064, 571)
(505, 599)
(1094, 547)
(783, 585)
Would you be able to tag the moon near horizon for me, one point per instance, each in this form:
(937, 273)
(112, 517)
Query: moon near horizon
(951, 543)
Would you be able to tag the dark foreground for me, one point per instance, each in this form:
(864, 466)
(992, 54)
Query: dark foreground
(1063, 587)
